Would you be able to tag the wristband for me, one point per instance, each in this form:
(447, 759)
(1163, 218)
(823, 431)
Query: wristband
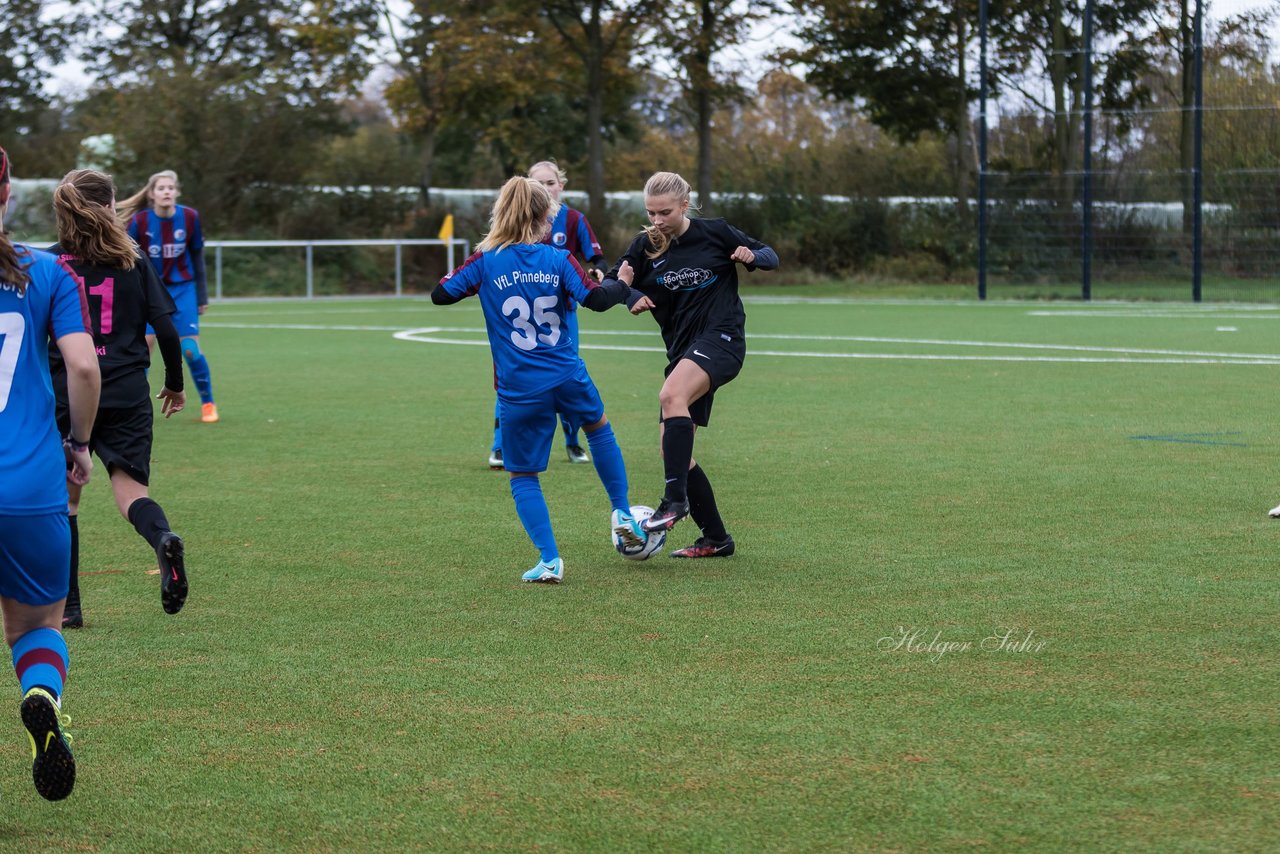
(77, 447)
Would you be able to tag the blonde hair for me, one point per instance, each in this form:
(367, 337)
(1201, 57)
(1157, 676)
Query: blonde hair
(519, 215)
(11, 270)
(140, 200)
(664, 184)
(86, 227)
(553, 166)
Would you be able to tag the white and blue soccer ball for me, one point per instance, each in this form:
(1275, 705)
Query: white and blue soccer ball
(653, 543)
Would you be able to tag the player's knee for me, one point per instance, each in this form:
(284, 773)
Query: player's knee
(191, 349)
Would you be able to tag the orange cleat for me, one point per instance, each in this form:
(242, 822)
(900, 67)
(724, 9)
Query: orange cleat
(209, 413)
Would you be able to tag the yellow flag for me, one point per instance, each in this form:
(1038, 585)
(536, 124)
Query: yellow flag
(446, 228)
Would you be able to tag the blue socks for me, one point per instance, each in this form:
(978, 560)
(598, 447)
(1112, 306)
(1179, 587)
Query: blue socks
(607, 457)
(497, 427)
(40, 660)
(531, 507)
(199, 367)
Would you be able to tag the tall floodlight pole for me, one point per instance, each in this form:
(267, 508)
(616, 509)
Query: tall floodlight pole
(1086, 187)
(1197, 215)
(982, 149)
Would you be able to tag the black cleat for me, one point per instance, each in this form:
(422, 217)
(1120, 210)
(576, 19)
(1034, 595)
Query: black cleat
(53, 768)
(577, 454)
(703, 547)
(173, 575)
(666, 516)
(72, 618)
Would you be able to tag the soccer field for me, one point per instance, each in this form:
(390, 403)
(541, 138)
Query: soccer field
(1004, 578)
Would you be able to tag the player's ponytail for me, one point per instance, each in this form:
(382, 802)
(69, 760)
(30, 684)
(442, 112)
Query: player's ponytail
(664, 184)
(519, 215)
(141, 200)
(87, 228)
(11, 271)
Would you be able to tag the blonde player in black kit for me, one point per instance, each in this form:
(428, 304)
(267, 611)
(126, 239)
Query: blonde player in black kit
(124, 294)
(687, 271)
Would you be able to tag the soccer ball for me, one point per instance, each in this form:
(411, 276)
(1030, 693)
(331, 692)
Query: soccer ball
(653, 543)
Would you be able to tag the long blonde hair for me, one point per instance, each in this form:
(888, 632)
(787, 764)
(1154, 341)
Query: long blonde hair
(11, 271)
(141, 199)
(664, 184)
(519, 215)
(86, 227)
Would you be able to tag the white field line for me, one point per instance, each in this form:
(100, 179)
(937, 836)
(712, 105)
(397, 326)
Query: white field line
(417, 335)
(1125, 355)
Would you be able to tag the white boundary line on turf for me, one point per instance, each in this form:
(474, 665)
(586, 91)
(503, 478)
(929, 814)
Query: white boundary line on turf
(431, 335)
(1155, 315)
(426, 335)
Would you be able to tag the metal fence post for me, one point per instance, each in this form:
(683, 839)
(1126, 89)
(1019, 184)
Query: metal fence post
(217, 272)
(311, 290)
(399, 281)
(982, 149)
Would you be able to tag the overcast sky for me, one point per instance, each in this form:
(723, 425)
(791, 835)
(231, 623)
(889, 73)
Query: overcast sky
(70, 76)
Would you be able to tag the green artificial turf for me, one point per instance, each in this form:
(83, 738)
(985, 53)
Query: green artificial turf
(359, 667)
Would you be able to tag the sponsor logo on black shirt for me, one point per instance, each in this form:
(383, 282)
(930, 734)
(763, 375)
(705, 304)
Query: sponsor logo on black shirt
(687, 279)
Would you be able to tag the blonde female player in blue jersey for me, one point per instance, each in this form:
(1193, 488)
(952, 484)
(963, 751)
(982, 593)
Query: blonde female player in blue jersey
(571, 232)
(524, 287)
(40, 300)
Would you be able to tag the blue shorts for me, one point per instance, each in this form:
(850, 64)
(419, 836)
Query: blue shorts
(187, 317)
(35, 558)
(529, 423)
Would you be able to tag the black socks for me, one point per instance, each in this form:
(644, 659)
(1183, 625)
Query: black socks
(677, 453)
(702, 506)
(148, 520)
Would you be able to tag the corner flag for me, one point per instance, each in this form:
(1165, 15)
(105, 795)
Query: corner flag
(446, 228)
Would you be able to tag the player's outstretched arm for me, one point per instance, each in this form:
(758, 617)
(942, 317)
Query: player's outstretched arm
(440, 296)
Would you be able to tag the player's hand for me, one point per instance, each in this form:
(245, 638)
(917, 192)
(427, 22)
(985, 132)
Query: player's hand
(173, 401)
(201, 309)
(597, 274)
(744, 255)
(81, 465)
(642, 305)
(626, 275)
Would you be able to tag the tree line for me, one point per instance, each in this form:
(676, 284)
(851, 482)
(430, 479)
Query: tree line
(252, 101)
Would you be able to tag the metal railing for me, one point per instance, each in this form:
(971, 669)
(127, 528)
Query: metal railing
(309, 245)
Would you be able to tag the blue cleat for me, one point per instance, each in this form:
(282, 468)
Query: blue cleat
(628, 530)
(546, 572)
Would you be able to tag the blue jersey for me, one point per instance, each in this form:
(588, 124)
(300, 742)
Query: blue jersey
(175, 245)
(33, 473)
(526, 290)
(571, 232)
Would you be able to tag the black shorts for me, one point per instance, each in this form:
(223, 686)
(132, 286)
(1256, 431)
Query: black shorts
(121, 438)
(720, 355)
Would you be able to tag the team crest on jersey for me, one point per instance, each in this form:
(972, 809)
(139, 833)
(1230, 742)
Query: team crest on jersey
(153, 251)
(179, 234)
(559, 238)
(687, 279)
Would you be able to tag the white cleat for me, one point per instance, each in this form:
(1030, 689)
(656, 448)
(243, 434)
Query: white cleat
(1275, 512)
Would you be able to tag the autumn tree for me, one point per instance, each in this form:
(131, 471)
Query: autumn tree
(230, 93)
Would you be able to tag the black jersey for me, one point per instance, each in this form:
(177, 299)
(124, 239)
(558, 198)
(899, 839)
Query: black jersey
(121, 304)
(694, 284)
